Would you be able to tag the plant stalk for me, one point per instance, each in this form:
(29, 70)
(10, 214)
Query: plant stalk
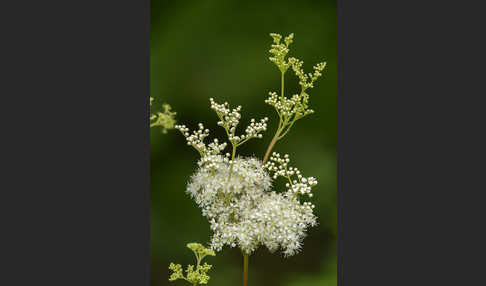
(245, 269)
(233, 155)
(282, 84)
(280, 126)
(270, 147)
(228, 196)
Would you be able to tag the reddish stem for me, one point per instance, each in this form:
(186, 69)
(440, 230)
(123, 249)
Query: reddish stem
(245, 269)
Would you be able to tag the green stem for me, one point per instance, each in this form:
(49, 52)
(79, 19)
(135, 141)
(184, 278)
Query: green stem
(288, 128)
(283, 84)
(245, 269)
(232, 161)
(228, 196)
(281, 125)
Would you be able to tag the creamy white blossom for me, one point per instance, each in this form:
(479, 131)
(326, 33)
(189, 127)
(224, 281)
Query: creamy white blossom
(243, 211)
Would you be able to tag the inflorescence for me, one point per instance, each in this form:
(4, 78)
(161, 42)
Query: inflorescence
(244, 212)
(165, 119)
(291, 109)
(194, 274)
(229, 120)
(236, 193)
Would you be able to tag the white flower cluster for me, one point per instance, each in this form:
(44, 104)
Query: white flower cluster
(229, 120)
(279, 167)
(196, 140)
(253, 130)
(243, 211)
(229, 117)
(285, 222)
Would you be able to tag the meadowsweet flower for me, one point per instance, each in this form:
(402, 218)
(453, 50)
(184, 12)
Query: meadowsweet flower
(223, 196)
(242, 210)
(284, 221)
(235, 193)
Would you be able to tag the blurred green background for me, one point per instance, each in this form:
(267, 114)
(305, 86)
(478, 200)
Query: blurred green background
(202, 49)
